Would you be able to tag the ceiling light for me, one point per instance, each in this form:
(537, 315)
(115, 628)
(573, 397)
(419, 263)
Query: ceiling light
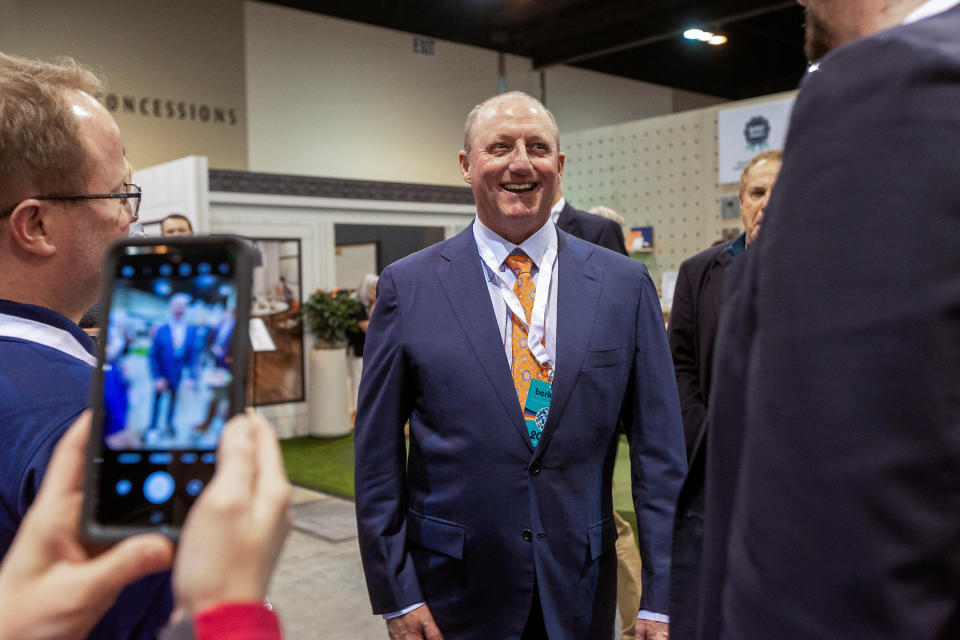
(704, 36)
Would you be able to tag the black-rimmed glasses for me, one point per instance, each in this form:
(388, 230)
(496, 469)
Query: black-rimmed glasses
(130, 197)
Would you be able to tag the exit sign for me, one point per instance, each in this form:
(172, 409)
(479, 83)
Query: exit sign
(424, 46)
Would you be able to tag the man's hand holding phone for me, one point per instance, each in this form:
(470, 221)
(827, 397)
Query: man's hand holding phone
(51, 586)
(233, 535)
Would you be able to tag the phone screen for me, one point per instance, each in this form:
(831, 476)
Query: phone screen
(169, 379)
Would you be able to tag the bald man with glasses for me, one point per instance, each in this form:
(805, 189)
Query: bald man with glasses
(65, 195)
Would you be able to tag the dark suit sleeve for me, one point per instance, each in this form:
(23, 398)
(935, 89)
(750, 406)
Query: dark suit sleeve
(683, 346)
(380, 453)
(658, 463)
(611, 237)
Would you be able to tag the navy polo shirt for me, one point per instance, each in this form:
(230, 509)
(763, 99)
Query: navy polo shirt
(46, 363)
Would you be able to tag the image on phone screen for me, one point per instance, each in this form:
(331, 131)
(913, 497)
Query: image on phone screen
(168, 380)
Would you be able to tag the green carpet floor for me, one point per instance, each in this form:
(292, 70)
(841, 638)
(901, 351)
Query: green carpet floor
(327, 465)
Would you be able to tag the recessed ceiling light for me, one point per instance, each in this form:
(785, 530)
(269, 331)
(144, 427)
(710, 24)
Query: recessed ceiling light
(704, 36)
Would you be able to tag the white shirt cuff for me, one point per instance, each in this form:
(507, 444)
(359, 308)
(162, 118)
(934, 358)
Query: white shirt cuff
(403, 612)
(655, 617)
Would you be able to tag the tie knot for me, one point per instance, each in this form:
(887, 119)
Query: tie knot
(519, 263)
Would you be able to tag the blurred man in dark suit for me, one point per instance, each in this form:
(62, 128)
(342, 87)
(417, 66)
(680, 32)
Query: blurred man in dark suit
(697, 303)
(590, 227)
(834, 448)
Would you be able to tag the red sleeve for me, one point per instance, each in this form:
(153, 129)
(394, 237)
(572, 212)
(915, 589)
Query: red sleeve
(237, 621)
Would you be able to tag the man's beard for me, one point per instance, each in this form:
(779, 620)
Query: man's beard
(819, 41)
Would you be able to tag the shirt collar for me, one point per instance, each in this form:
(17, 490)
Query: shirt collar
(534, 246)
(930, 8)
(64, 335)
(50, 317)
(736, 247)
(557, 208)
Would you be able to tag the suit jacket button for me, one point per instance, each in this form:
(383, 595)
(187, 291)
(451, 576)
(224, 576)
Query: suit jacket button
(527, 535)
(535, 468)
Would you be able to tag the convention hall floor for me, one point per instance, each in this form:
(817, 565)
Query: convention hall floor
(318, 588)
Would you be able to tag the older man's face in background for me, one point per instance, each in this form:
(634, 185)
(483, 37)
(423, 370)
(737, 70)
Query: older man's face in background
(756, 195)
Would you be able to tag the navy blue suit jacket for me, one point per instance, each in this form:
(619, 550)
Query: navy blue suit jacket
(836, 461)
(42, 391)
(474, 518)
(592, 228)
(165, 362)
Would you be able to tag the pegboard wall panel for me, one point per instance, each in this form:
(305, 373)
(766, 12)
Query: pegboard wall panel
(659, 172)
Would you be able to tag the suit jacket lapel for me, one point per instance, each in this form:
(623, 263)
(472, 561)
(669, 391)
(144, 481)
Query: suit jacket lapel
(578, 290)
(462, 278)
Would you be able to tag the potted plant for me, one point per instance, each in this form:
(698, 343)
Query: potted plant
(330, 317)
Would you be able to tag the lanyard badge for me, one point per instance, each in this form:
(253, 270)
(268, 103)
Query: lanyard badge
(536, 409)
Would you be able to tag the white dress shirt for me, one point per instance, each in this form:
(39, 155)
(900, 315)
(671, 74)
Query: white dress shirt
(535, 247)
(930, 8)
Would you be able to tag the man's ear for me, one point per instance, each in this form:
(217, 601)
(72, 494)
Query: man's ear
(29, 227)
(464, 165)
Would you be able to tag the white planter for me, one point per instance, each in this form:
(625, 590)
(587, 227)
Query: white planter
(328, 399)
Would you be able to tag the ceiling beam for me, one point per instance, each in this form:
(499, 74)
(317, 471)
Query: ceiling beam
(540, 62)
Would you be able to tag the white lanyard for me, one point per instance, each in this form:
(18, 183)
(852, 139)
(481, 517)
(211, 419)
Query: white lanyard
(16, 327)
(537, 327)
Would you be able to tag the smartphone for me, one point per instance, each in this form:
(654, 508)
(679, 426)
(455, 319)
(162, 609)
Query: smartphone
(171, 369)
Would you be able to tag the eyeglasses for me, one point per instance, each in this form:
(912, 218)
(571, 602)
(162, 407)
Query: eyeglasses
(130, 197)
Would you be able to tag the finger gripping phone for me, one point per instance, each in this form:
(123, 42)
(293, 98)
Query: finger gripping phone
(171, 369)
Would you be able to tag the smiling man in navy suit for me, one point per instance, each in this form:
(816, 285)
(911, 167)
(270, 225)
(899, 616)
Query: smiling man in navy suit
(514, 350)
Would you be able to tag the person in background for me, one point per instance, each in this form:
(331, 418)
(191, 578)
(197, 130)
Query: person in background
(629, 565)
(698, 297)
(593, 228)
(284, 291)
(220, 376)
(366, 294)
(172, 351)
(176, 224)
(64, 197)
(834, 441)
(53, 588)
(608, 213)
(697, 303)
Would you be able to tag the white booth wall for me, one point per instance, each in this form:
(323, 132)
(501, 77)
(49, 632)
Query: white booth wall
(270, 216)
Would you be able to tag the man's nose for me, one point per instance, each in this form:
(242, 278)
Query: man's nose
(763, 206)
(519, 161)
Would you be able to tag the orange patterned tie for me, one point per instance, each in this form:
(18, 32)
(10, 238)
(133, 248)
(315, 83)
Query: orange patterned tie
(525, 367)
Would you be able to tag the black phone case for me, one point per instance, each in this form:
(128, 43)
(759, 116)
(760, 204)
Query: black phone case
(100, 533)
